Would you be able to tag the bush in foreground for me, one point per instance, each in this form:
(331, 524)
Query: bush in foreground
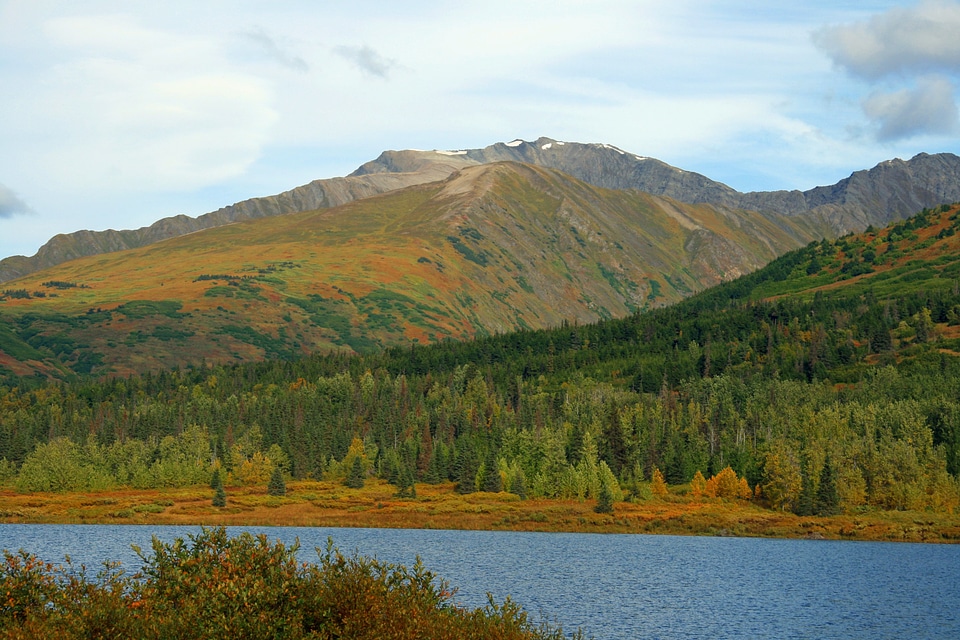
(215, 586)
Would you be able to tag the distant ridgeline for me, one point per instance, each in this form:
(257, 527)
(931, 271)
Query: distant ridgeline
(828, 380)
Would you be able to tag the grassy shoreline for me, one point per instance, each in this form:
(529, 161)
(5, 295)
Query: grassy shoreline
(329, 504)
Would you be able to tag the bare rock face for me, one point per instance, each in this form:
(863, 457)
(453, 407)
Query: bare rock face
(890, 191)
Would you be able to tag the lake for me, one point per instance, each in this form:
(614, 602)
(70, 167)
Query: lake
(625, 586)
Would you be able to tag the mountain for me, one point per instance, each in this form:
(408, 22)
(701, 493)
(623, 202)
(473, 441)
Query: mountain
(890, 191)
(492, 248)
(315, 195)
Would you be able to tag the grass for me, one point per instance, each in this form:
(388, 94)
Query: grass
(329, 504)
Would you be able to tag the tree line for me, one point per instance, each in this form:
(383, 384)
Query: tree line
(851, 396)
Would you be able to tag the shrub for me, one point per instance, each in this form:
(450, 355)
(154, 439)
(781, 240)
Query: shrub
(214, 586)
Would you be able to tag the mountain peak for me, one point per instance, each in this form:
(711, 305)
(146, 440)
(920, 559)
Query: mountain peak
(892, 190)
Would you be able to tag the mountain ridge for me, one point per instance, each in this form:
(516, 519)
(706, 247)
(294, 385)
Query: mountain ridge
(891, 190)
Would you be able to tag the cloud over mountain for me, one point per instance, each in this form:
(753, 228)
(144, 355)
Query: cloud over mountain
(928, 108)
(10, 204)
(917, 45)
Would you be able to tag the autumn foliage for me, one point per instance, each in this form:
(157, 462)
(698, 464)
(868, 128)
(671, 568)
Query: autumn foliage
(658, 485)
(214, 586)
(726, 484)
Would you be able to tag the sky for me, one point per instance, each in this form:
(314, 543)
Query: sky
(114, 114)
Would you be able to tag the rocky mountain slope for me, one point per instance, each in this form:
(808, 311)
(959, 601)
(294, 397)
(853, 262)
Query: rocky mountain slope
(492, 248)
(890, 191)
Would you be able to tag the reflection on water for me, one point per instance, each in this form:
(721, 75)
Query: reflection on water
(625, 586)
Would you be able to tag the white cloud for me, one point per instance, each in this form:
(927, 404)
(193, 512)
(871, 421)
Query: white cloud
(927, 109)
(273, 50)
(367, 60)
(142, 108)
(918, 39)
(908, 54)
(11, 204)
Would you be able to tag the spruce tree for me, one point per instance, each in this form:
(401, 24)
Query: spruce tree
(604, 499)
(828, 498)
(806, 503)
(355, 477)
(519, 485)
(466, 470)
(276, 487)
(406, 483)
(216, 481)
(491, 474)
(432, 476)
(219, 496)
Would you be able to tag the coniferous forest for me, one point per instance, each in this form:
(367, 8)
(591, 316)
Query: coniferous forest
(828, 381)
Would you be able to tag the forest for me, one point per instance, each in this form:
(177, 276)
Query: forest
(829, 380)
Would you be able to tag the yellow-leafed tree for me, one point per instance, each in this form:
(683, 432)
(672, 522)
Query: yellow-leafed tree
(658, 485)
(698, 485)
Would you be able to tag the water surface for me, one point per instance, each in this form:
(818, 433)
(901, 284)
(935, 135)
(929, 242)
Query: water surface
(625, 586)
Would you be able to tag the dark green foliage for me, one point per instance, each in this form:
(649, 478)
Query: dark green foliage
(276, 486)
(806, 505)
(828, 498)
(491, 475)
(604, 500)
(215, 480)
(466, 468)
(355, 477)
(519, 486)
(273, 347)
(219, 497)
(406, 483)
(144, 308)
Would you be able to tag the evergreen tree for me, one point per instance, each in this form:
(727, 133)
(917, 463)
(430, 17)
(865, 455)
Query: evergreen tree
(492, 482)
(276, 487)
(216, 481)
(406, 482)
(355, 477)
(828, 498)
(219, 496)
(432, 476)
(466, 470)
(806, 504)
(519, 485)
(604, 500)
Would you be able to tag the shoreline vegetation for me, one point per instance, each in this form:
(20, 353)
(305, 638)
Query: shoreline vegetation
(212, 586)
(378, 505)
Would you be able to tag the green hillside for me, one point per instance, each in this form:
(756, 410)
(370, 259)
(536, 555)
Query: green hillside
(492, 249)
(827, 381)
